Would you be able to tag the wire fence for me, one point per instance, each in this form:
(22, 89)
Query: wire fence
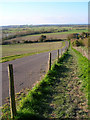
(13, 77)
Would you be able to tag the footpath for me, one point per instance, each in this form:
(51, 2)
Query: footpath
(68, 100)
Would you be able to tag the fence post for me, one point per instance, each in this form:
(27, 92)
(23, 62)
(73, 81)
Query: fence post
(58, 55)
(49, 62)
(61, 51)
(11, 91)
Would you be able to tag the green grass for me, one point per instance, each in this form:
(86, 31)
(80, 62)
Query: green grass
(83, 70)
(58, 33)
(13, 57)
(84, 75)
(11, 52)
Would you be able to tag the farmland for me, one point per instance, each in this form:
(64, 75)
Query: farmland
(32, 33)
(62, 35)
(28, 49)
(14, 39)
(63, 91)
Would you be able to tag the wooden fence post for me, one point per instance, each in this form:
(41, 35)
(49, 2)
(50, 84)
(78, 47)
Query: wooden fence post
(61, 51)
(11, 91)
(58, 55)
(49, 62)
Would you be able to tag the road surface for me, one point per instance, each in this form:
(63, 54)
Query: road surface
(27, 71)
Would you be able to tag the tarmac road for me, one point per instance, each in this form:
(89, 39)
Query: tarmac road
(27, 71)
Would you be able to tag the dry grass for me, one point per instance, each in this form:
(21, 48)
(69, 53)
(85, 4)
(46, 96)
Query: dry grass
(17, 49)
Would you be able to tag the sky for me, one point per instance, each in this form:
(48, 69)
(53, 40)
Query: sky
(27, 12)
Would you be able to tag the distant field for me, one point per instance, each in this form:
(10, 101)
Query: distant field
(36, 37)
(40, 28)
(58, 35)
(55, 28)
(21, 50)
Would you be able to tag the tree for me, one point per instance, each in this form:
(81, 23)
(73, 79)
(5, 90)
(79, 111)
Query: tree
(42, 38)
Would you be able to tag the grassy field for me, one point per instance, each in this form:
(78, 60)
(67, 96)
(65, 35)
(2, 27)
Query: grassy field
(10, 52)
(68, 32)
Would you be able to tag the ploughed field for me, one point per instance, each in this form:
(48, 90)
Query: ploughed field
(36, 37)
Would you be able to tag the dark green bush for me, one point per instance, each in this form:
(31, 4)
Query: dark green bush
(42, 38)
(77, 43)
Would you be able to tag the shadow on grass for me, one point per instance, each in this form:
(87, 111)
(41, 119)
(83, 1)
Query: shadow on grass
(37, 105)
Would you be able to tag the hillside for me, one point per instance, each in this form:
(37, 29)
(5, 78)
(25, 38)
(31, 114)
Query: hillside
(63, 93)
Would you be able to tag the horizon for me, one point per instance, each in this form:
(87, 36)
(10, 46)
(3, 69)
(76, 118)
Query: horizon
(43, 13)
(41, 25)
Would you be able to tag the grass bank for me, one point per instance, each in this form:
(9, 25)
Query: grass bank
(84, 74)
(60, 94)
(84, 70)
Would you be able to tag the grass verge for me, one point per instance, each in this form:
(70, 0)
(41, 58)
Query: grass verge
(84, 70)
(13, 57)
(84, 73)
